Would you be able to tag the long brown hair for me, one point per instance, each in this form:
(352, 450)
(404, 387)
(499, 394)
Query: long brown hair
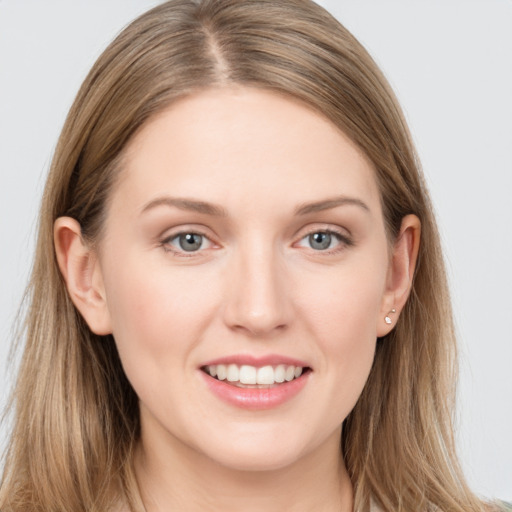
(76, 418)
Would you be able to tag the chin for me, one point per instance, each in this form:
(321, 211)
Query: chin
(257, 453)
(256, 463)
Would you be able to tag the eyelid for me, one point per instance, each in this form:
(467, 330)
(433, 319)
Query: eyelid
(168, 236)
(342, 234)
(345, 239)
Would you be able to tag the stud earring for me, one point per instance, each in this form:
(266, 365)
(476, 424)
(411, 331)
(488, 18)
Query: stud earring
(387, 318)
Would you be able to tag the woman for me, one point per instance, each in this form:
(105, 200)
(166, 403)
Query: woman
(229, 279)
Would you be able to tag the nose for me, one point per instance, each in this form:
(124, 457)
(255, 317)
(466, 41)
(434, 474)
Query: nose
(258, 298)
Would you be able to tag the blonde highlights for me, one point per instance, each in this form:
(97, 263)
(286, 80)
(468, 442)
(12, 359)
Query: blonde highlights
(76, 415)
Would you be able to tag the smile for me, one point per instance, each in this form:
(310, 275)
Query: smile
(255, 387)
(247, 375)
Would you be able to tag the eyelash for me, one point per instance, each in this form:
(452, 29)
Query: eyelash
(166, 243)
(343, 242)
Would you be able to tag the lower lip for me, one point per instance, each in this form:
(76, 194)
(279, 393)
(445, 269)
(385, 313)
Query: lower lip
(256, 398)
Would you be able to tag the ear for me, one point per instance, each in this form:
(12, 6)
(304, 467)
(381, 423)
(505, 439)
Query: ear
(80, 268)
(400, 273)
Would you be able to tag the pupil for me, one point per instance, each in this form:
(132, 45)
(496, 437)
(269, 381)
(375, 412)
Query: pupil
(190, 242)
(320, 240)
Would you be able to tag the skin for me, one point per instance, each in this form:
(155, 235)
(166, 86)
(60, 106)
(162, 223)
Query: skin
(256, 286)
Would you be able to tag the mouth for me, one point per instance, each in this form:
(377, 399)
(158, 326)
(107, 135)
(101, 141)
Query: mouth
(256, 383)
(253, 377)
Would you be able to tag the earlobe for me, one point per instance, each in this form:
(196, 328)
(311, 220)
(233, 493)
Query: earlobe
(81, 271)
(400, 273)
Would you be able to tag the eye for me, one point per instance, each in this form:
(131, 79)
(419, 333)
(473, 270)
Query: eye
(321, 241)
(325, 240)
(187, 242)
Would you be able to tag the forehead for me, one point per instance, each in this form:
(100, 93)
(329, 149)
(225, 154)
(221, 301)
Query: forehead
(232, 146)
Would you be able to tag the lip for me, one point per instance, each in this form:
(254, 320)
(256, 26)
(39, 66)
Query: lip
(256, 399)
(258, 361)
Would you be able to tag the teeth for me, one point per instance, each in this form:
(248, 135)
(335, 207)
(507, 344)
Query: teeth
(265, 375)
(280, 373)
(233, 373)
(246, 374)
(222, 372)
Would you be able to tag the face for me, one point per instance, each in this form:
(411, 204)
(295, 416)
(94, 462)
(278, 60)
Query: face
(245, 244)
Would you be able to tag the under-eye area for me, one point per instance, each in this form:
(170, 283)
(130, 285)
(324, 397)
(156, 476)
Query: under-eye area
(252, 376)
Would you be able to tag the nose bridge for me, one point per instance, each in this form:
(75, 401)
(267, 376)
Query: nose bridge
(257, 301)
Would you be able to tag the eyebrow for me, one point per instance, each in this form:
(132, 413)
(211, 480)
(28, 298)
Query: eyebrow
(218, 211)
(328, 204)
(186, 204)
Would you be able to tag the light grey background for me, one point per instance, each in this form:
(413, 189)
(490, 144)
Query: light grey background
(450, 62)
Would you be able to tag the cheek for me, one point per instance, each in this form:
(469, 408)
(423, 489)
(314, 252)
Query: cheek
(156, 315)
(345, 303)
(346, 329)
(343, 315)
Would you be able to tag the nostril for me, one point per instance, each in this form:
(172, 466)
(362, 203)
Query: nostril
(259, 331)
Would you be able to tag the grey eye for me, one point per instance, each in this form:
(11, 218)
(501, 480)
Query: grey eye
(320, 241)
(190, 242)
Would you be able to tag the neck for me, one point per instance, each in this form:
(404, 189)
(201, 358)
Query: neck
(176, 477)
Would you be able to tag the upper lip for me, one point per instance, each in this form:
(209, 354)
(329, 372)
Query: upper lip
(257, 361)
